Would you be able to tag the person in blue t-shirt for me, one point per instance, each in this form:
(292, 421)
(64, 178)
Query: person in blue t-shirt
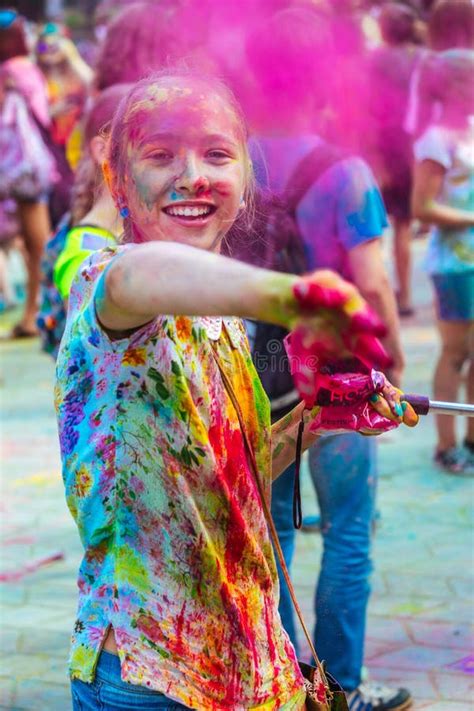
(341, 219)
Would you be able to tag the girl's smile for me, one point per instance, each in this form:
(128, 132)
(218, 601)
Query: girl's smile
(190, 212)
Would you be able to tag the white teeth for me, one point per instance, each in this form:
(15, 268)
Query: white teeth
(188, 211)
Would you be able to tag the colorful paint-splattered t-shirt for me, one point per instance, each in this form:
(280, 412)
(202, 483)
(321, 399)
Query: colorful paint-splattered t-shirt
(177, 554)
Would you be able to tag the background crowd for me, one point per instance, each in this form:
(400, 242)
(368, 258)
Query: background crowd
(378, 96)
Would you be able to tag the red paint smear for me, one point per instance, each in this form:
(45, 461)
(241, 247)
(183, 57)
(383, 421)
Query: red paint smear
(271, 646)
(14, 575)
(179, 647)
(242, 631)
(222, 187)
(151, 629)
(268, 625)
(19, 541)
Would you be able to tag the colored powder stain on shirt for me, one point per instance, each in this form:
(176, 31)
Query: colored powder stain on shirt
(177, 553)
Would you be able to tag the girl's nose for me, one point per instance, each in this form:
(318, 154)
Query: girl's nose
(191, 180)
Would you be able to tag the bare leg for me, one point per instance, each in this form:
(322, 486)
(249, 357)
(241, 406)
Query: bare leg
(402, 253)
(6, 290)
(447, 377)
(36, 228)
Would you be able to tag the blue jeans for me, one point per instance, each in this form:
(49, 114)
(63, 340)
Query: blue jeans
(282, 514)
(343, 470)
(109, 693)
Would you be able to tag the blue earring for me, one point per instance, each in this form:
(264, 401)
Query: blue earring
(124, 211)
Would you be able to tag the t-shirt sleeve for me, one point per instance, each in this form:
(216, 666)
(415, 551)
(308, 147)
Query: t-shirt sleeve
(433, 145)
(361, 214)
(87, 288)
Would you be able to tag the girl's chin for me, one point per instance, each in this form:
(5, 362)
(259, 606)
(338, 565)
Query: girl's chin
(206, 236)
(211, 243)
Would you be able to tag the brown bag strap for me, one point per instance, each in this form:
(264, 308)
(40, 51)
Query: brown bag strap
(268, 515)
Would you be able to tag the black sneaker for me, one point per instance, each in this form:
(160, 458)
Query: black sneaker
(371, 696)
(469, 446)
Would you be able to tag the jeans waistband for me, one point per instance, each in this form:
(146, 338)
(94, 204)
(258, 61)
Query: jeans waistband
(108, 671)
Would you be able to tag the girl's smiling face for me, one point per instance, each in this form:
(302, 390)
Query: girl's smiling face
(185, 166)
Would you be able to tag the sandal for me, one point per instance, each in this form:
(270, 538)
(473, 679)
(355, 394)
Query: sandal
(406, 311)
(403, 311)
(19, 331)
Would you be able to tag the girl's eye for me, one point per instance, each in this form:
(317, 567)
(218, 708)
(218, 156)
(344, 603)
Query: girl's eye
(160, 156)
(218, 155)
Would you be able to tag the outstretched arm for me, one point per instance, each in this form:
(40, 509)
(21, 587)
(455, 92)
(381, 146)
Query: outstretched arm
(168, 278)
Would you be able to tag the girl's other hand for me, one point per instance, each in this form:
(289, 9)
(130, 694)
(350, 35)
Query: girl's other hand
(388, 403)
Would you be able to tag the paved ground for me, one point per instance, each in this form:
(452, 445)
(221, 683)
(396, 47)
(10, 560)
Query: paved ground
(421, 614)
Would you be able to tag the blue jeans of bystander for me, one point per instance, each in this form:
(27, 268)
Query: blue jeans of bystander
(343, 469)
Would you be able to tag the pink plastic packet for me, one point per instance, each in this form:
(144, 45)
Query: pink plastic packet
(341, 388)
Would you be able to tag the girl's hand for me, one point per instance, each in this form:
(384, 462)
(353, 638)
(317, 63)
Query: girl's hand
(368, 418)
(332, 320)
(389, 404)
(326, 289)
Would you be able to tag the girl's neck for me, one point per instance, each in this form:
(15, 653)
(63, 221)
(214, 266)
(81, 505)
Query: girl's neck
(104, 214)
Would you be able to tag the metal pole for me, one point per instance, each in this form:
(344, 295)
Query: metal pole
(451, 408)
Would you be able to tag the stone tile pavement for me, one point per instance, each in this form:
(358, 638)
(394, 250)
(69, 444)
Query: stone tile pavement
(419, 631)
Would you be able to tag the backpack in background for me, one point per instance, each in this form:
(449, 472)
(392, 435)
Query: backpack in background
(275, 242)
(27, 167)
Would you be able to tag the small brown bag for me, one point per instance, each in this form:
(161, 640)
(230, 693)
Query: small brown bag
(323, 693)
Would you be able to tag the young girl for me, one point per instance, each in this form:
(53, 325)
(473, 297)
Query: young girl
(444, 196)
(178, 602)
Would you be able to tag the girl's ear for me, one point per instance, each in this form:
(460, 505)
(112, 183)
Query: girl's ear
(107, 173)
(116, 197)
(97, 149)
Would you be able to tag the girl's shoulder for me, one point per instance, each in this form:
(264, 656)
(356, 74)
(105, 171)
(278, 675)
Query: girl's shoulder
(99, 259)
(89, 273)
